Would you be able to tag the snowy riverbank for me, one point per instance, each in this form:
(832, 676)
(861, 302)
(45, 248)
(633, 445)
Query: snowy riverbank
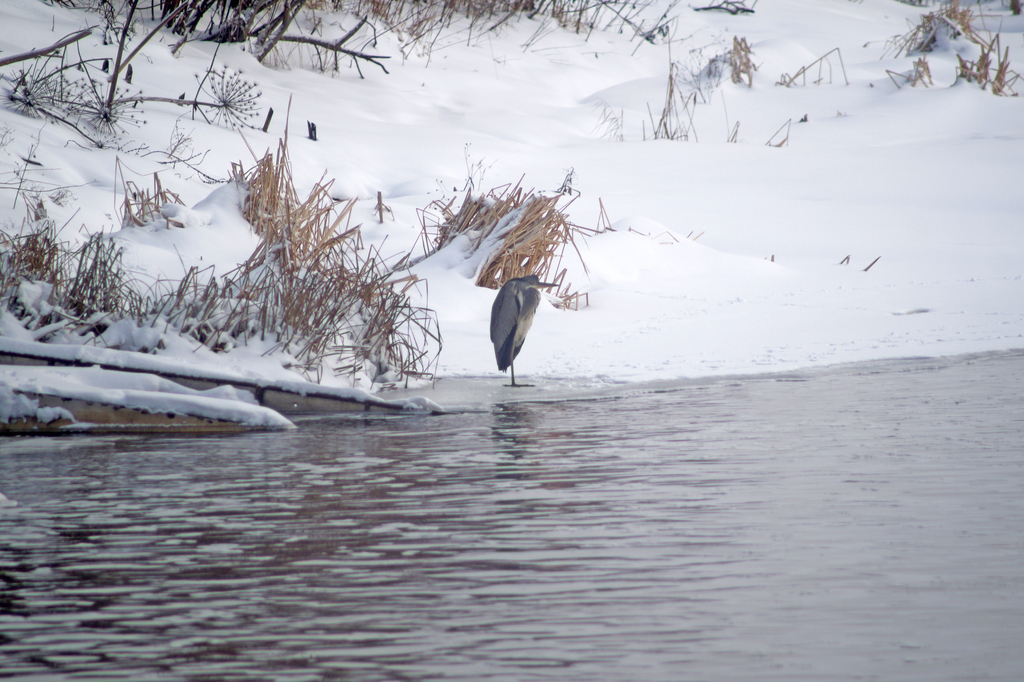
(726, 255)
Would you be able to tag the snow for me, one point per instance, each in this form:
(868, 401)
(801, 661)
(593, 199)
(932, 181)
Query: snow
(149, 393)
(15, 406)
(213, 229)
(140, 381)
(724, 257)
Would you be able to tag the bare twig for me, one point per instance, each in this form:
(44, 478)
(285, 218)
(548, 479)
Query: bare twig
(63, 42)
(287, 15)
(174, 100)
(820, 62)
(733, 7)
(149, 37)
(336, 46)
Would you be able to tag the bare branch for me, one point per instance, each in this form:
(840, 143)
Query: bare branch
(152, 33)
(172, 100)
(120, 52)
(731, 6)
(68, 40)
(336, 46)
(286, 17)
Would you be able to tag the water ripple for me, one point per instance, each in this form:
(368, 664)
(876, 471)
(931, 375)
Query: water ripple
(850, 525)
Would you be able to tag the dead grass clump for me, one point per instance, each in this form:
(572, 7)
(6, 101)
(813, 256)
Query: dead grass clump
(36, 255)
(55, 289)
(299, 233)
(142, 206)
(991, 68)
(741, 65)
(952, 20)
(988, 71)
(311, 288)
(516, 233)
(99, 285)
(921, 74)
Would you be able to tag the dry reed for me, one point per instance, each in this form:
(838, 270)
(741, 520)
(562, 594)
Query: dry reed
(311, 286)
(988, 71)
(952, 18)
(823, 62)
(307, 289)
(56, 290)
(140, 206)
(519, 232)
(992, 67)
(36, 255)
(922, 73)
(671, 124)
(740, 63)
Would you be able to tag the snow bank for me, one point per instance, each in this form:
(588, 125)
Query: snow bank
(143, 392)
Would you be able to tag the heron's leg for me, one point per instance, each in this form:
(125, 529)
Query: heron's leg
(512, 367)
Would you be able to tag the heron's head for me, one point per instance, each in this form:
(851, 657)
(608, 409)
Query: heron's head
(533, 281)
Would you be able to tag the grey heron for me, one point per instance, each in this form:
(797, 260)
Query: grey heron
(512, 316)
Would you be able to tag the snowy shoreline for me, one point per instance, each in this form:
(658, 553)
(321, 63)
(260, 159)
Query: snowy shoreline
(86, 388)
(726, 256)
(482, 393)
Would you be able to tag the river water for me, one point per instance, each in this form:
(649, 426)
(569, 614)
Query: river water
(861, 523)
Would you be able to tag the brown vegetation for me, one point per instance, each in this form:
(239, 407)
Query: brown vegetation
(520, 233)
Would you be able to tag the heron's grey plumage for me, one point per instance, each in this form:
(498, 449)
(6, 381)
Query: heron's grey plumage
(512, 317)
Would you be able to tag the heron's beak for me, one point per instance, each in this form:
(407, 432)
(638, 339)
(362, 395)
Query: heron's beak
(546, 284)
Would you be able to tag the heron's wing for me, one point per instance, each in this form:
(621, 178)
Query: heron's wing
(504, 312)
(511, 317)
(506, 352)
(527, 300)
